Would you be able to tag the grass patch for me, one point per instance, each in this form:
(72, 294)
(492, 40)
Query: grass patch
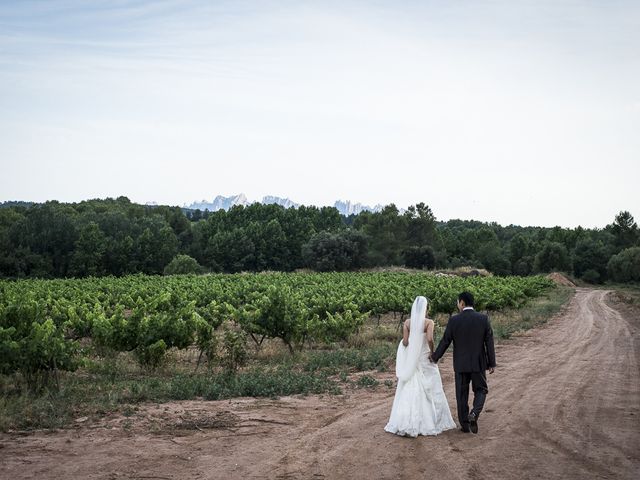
(114, 384)
(334, 361)
(97, 395)
(253, 383)
(367, 381)
(625, 293)
(536, 312)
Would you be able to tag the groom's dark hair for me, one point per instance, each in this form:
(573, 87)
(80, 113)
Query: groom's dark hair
(467, 298)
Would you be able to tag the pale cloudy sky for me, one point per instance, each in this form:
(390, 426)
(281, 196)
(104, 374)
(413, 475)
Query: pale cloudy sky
(524, 112)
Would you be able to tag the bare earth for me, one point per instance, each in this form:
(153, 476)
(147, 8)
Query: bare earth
(564, 403)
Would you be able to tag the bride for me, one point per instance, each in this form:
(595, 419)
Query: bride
(420, 406)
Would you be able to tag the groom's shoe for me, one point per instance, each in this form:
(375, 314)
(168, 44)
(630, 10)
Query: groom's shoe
(473, 422)
(465, 428)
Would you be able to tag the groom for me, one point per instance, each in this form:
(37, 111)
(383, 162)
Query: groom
(473, 354)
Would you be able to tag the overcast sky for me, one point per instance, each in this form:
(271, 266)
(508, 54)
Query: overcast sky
(524, 112)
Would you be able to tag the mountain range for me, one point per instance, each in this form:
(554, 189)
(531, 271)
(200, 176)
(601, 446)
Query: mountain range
(345, 207)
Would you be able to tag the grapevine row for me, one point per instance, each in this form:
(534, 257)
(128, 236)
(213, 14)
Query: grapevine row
(41, 321)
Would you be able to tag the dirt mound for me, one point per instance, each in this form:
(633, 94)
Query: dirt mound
(464, 272)
(560, 279)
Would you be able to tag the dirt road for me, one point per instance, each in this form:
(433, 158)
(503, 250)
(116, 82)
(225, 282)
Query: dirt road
(564, 403)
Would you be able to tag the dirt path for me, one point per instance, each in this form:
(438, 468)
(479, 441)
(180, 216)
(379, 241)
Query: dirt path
(563, 403)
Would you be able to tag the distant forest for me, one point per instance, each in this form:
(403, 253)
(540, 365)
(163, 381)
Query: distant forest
(118, 237)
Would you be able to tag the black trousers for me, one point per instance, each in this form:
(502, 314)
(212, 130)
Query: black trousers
(478, 382)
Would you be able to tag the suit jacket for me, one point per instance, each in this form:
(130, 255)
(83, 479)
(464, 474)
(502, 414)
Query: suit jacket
(472, 339)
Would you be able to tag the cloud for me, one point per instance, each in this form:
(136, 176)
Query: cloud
(173, 101)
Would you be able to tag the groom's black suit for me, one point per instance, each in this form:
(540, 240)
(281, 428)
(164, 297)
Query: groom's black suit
(473, 354)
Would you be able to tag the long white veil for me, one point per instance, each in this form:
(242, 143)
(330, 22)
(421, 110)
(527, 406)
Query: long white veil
(407, 357)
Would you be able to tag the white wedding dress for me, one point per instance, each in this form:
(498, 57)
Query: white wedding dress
(420, 406)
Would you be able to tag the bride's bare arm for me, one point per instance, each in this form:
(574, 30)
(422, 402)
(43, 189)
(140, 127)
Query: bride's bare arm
(405, 333)
(430, 327)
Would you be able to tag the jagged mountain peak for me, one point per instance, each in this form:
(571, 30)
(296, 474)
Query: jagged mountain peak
(220, 202)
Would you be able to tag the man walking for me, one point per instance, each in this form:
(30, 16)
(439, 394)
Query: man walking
(473, 355)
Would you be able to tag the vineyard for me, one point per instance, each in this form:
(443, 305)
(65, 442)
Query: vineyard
(43, 322)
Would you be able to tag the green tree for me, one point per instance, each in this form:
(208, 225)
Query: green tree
(590, 258)
(270, 243)
(553, 256)
(625, 266)
(10, 266)
(519, 255)
(89, 251)
(420, 257)
(421, 225)
(182, 264)
(625, 230)
(340, 251)
(49, 230)
(494, 259)
(386, 231)
(156, 246)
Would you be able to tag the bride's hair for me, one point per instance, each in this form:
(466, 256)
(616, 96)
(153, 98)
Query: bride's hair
(419, 303)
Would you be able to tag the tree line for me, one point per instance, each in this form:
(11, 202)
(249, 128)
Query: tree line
(118, 237)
